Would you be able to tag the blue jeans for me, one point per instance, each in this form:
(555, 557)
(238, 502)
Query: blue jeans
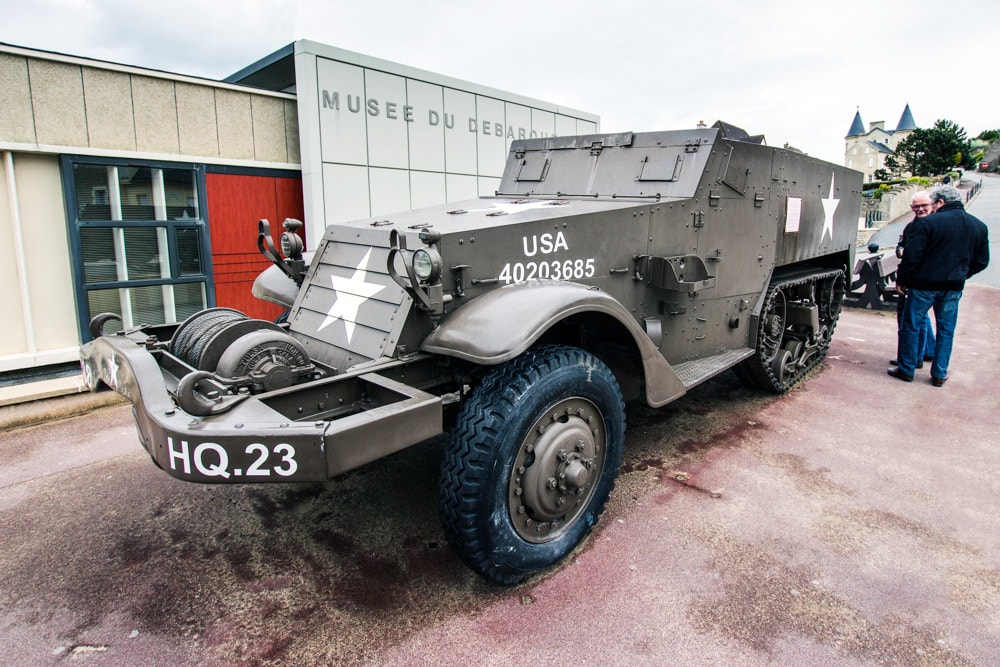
(918, 302)
(926, 350)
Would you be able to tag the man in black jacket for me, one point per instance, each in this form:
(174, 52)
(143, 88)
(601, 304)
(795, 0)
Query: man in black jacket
(943, 250)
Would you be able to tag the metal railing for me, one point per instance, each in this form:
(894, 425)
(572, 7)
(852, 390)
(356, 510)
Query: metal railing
(973, 191)
(872, 216)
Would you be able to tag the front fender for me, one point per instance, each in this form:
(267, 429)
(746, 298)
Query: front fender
(500, 325)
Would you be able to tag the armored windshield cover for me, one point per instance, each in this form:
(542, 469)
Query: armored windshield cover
(651, 166)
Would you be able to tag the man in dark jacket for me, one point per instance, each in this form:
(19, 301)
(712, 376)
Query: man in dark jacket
(920, 204)
(943, 250)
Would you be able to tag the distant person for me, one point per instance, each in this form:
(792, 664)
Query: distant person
(942, 251)
(920, 204)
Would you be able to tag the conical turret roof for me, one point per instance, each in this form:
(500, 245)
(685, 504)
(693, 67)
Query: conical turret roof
(906, 120)
(858, 127)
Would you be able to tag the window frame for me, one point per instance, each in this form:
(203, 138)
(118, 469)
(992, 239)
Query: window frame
(82, 288)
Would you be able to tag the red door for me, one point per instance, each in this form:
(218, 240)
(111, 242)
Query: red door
(235, 204)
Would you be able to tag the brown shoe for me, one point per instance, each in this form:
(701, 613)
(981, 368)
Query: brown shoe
(938, 382)
(900, 375)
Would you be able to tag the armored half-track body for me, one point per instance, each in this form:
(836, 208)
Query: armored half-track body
(607, 268)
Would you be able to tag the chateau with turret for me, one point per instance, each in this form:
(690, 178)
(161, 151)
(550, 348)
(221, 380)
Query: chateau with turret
(866, 151)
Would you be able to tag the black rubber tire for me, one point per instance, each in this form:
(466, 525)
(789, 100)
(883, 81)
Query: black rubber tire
(494, 438)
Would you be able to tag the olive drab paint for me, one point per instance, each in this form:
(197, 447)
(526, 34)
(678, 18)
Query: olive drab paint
(643, 262)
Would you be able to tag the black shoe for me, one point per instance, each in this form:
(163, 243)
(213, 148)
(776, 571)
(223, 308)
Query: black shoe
(920, 364)
(931, 358)
(938, 382)
(900, 375)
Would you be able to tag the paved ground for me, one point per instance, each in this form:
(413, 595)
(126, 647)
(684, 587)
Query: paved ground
(851, 522)
(986, 206)
(854, 521)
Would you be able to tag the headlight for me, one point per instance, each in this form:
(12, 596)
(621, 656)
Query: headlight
(291, 245)
(426, 264)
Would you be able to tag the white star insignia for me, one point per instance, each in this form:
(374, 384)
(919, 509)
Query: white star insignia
(351, 293)
(112, 369)
(829, 209)
(511, 207)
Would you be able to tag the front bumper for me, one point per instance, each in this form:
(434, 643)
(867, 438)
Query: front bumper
(252, 441)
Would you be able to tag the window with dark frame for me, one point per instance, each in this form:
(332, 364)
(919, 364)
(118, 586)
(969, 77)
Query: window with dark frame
(139, 239)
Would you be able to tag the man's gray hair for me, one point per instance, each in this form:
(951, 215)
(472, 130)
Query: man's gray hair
(920, 194)
(946, 194)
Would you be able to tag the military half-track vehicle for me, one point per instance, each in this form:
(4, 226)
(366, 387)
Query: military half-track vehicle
(606, 268)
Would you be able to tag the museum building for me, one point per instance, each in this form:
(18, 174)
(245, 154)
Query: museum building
(137, 191)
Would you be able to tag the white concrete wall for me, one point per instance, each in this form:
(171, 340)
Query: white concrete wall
(37, 302)
(380, 137)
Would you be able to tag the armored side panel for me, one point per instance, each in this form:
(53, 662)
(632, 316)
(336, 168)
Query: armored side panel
(684, 229)
(816, 205)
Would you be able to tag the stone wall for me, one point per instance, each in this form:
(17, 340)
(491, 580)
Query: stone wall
(894, 204)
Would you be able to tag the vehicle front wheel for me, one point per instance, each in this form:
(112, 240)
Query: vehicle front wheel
(532, 460)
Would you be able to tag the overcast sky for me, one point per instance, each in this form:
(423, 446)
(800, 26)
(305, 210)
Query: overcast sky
(793, 70)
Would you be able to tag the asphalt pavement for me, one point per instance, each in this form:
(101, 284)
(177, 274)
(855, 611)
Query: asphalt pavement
(852, 521)
(986, 207)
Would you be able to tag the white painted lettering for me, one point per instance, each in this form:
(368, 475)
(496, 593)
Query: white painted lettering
(449, 121)
(181, 454)
(408, 113)
(546, 244)
(217, 470)
(473, 125)
(498, 129)
(372, 107)
(534, 246)
(331, 101)
(510, 131)
(520, 133)
(433, 118)
(561, 242)
(354, 103)
(390, 110)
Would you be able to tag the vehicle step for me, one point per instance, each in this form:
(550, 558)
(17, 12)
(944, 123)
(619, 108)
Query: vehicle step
(695, 372)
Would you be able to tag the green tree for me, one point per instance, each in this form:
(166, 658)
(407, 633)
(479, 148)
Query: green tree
(932, 151)
(989, 135)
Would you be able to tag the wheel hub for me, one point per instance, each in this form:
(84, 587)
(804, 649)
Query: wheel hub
(555, 469)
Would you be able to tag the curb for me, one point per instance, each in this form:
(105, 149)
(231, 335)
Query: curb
(39, 402)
